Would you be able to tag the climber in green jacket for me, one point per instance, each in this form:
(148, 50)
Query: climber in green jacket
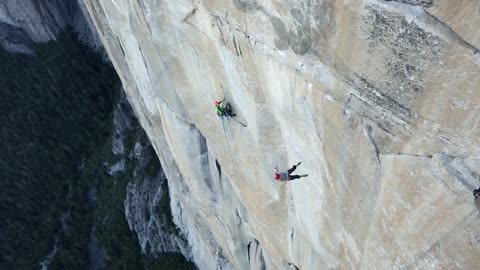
(476, 198)
(221, 110)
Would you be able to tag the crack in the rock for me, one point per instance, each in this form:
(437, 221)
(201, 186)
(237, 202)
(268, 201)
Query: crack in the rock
(293, 266)
(428, 155)
(313, 120)
(424, 3)
(436, 244)
(235, 46)
(408, 155)
(349, 107)
(451, 33)
(379, 124)
(219, 168)
(441, 25)
(189, 15)
(120, 45)
(219, 25)
(368, 131)
(248, 250)
(347, 104)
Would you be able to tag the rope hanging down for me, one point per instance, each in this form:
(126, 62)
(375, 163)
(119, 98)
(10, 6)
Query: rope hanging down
(292, 108)
(225, 127)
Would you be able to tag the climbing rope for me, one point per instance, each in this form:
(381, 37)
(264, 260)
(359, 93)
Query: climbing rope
(225, 119)
(225, 127)
(224, 69)
(311, 113)
(292, 108)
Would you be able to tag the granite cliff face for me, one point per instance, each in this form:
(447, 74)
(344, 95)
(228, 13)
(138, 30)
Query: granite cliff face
(378, 99)
(23, 23)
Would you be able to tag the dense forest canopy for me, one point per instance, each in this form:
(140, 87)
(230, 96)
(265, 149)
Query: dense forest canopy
(56, 111)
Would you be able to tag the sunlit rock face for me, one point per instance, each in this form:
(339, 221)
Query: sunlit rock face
(378, 99)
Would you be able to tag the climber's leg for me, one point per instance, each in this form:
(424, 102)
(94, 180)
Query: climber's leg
(228, 110)
(292, 169)
(293, 177)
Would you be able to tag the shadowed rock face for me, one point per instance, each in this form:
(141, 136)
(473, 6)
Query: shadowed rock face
(378, 99)
(25, 22)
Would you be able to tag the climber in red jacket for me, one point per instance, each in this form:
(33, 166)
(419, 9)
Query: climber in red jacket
(286, 176)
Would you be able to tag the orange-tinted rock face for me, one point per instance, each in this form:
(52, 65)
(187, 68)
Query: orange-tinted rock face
(378, 99)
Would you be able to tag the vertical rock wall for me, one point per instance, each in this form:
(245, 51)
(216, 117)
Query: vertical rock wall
(378, 99)
(25, 22)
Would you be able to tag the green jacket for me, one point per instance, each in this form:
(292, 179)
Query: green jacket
(220, 111)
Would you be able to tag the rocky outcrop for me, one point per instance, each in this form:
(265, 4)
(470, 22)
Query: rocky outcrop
(23, 23)
(146, 203)
(378, 99)
(146, 212)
